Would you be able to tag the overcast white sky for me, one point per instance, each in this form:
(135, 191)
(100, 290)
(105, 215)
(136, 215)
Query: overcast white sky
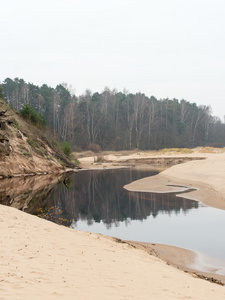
(165, 48)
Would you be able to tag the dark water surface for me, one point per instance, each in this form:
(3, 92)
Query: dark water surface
(96, 201)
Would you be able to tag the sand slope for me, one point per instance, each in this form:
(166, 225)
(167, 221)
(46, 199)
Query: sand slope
(41, 260)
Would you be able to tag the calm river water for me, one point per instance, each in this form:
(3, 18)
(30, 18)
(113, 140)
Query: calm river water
(96, 201)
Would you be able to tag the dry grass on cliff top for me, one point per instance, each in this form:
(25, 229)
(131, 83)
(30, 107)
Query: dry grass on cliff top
(165, 151)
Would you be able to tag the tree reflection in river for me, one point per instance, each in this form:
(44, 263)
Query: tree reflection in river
(98, 196)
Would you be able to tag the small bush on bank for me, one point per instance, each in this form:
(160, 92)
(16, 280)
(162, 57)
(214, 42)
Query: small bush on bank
(29, 113)
(99, 158)
(75, 160)
(66, 148)
(96, 148)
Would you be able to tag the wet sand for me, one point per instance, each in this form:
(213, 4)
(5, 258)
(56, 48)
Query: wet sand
(183, 259)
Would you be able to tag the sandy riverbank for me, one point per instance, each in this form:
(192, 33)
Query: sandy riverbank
(205, 172)
(40, 259)
(207, 176)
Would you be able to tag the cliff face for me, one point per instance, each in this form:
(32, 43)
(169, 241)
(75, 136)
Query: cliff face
(24, 150)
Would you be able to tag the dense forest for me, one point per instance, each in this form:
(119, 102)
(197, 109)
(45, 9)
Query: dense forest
(113, 120)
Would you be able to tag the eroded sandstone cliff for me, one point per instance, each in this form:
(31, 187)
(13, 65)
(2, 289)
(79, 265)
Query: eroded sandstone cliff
(25, 150)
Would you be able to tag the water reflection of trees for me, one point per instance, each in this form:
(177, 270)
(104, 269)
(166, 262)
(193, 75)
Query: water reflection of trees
(97, 196)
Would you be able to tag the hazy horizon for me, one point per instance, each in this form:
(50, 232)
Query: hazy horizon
(168, 49)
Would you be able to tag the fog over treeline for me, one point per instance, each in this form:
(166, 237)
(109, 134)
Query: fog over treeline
(117, 120)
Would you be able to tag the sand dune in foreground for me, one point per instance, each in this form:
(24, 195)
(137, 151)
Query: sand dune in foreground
(42, 260)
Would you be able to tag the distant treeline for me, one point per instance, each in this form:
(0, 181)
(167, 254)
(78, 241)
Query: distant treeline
(117, 120)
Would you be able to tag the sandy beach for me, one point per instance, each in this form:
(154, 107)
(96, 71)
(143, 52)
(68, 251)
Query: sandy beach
(42, 260)
(206, 176)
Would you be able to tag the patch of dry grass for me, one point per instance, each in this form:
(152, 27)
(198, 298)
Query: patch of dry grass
(175, 150)
(100, 157)
(120, 153)
(116, 153)
(83, 154)
(210, 150)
